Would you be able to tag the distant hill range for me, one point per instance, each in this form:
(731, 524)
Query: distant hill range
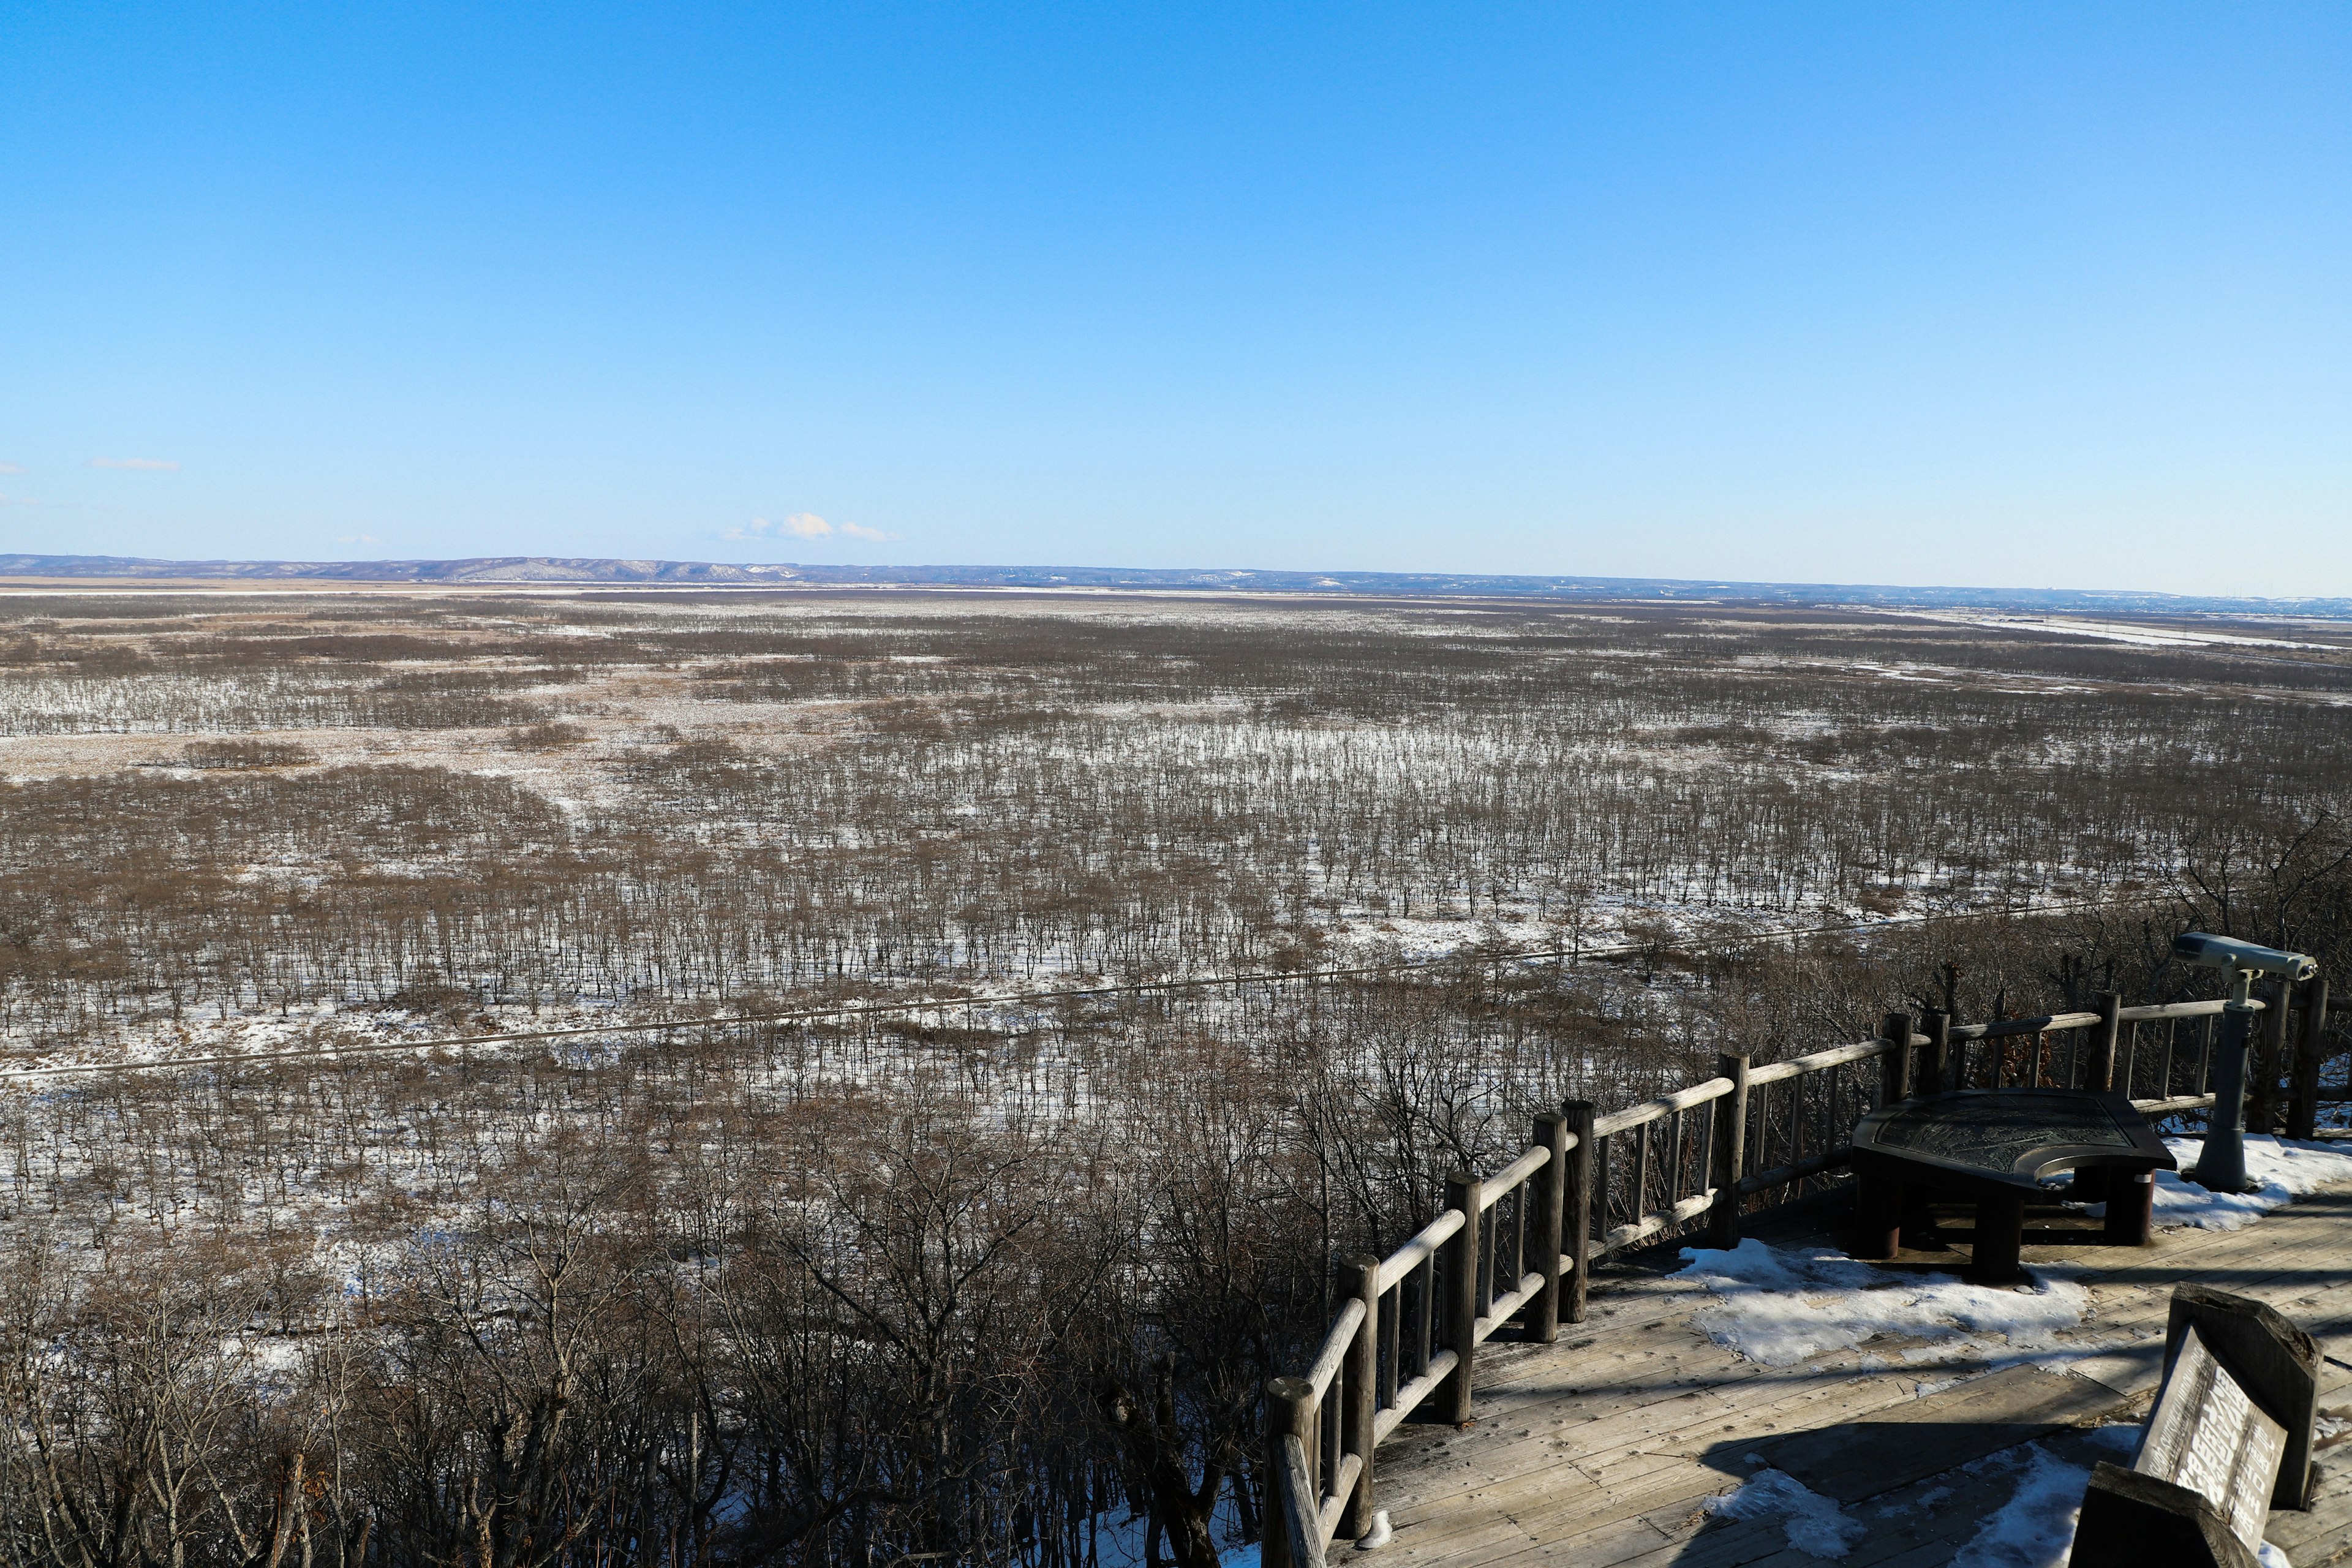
(588, 570)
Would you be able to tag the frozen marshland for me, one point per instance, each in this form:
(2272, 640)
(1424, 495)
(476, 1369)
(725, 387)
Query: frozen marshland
(983, 1252)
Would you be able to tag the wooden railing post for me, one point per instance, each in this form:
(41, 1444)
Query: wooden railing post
(1546, 1199)
(1936, 1063)
(2106, 1036)
(1292, 1534)
(1359, 1392)
(1273, 1507)
(1894, 1067)
(1462, 1195)
(1730, 1152)
(1576, 1207)
(2267, 1063)
(2302, 1107)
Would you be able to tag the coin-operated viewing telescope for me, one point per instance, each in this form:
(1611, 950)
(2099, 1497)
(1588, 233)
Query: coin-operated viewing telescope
(2245, 957)
(2222, 1167)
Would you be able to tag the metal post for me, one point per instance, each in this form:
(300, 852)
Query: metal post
(1359, 1394)
(2222, 1168)
(1730, 1152)
(1462, 1195)
(1576, 1207)
(1547, 1193)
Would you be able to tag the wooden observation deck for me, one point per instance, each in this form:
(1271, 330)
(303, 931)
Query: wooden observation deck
(1605, 1447)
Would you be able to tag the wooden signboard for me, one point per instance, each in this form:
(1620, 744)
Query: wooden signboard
(2132, 1521)
(2277, 1363)
(2207, 1437)
(2229, 1440)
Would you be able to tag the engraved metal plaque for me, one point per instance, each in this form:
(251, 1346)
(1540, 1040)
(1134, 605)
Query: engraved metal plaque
(1994, 1130)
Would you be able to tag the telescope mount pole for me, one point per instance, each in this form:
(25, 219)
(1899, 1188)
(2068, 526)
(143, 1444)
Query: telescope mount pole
(2222, 1168)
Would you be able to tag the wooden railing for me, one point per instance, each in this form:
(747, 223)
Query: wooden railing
(1519, 1245)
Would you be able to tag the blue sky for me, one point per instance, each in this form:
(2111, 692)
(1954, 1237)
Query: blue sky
(2030, 296)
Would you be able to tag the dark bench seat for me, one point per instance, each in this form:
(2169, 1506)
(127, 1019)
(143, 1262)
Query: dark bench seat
(1992, 1147)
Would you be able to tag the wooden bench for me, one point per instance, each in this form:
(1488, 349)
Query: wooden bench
(1993, 1146)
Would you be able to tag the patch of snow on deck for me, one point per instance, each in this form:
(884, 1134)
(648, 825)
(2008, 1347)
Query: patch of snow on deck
(2280, 1170)
(2035, 1528)
(1780, 1307)
(1815, 1524)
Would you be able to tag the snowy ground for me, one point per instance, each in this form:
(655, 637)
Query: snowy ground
(2033, 1529)
(2280, 1169)
(1777, 1307)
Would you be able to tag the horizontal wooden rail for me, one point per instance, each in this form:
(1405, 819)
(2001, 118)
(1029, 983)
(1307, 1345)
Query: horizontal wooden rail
(2002, 1029)
(1502, 1182)
(1420, 1249)
(2157, 1012)
(1812, 1165)
(1410, 1395)
(1335, 1347)
(1820, 1061)
(1506, 1307)
(1663, 1106)
(2053, 1023)
(1650, 1225)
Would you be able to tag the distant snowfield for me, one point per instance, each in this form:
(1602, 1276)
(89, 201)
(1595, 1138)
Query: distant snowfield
(2134, 633)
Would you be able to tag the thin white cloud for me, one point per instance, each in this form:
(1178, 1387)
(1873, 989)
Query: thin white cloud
(799, 525)
(152, 465)
(12, 467)
(357, 539)
(802, 525)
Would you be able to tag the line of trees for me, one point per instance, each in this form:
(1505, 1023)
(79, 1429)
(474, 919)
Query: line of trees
(925, 800)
